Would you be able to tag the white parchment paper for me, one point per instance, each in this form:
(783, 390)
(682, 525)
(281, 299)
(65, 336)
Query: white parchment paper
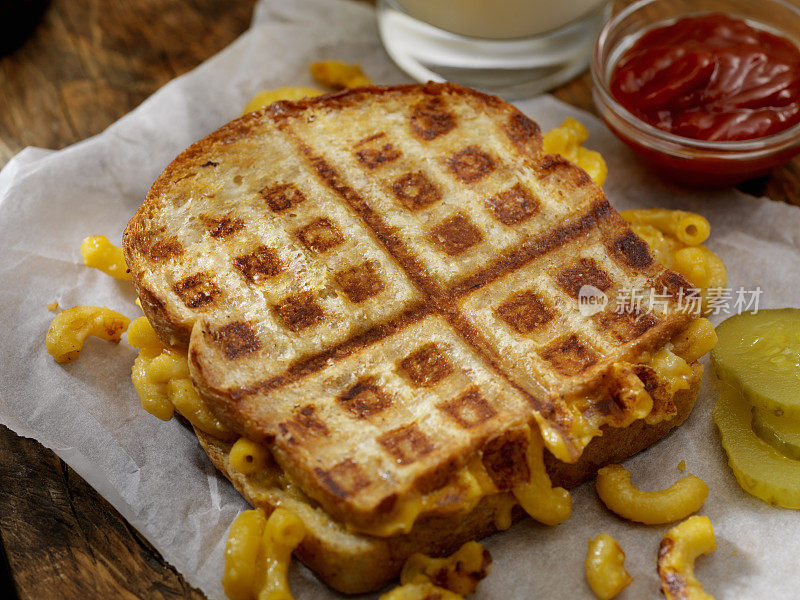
(155, 474)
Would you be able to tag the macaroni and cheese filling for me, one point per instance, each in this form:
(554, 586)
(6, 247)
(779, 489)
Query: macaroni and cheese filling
(160, 376)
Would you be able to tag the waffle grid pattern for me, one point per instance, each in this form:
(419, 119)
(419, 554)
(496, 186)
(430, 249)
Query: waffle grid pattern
(476, 256)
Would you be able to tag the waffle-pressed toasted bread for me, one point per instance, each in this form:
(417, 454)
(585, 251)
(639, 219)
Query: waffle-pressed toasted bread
(352, 563)
(382, 284)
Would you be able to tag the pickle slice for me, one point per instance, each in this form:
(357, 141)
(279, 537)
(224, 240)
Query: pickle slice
(759, 468)
(778, 430)
(760, 352)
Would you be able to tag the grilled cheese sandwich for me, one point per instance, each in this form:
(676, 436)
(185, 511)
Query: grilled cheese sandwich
(381, 287)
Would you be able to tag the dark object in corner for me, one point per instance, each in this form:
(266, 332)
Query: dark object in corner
(18, 19)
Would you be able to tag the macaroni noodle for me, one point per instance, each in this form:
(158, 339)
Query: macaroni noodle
(605, 567)
(99, 253)
(537, 496)
(420, 591)
(688, 228)
(678, 501)
(142, 335)
(283, 532)
(460, 573)
(679, 548)
(70, 328)
(567, 140)
(330, 73)
(504, 516)
(335, 74)
(241, 549)
(676, 238)
(258, 553)
(247, 457)
(152, 394)
(671, 367)
(266, 97)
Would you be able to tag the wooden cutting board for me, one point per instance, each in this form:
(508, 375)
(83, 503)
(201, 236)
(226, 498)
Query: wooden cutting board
(88, 64)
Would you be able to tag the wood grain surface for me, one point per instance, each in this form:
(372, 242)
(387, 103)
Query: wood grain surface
(88, 63)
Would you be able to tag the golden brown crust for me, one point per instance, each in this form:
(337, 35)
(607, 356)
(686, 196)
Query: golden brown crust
(352, 563)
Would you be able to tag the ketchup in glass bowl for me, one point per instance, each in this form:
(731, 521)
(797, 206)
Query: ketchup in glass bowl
(709, 97)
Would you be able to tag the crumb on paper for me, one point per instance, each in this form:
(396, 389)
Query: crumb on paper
(52, 307)
(682, 466)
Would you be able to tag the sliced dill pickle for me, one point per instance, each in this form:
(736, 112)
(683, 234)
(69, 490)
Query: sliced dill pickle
(760, 352)
(778, 430)
(759, 468)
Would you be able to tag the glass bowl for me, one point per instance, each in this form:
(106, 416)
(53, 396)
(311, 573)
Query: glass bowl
(681, 159)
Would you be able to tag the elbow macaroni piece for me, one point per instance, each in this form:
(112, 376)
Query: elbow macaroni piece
(567, 140)
(677, 553)
(168, 365)
(99, 253)
(688, 228)
(258, 552)
(676, 238)
(241, 549)
(330, 73)
(339, 75)
(504, 515)
(605, 567)
(70, 328)
(678, 501)
(247, 457)
(420, 591)
(266, 97)
(283, 532)
(460, 573)
(537, 496)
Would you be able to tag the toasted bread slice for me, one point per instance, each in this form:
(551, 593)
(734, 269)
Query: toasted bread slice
(352, 563)
(382, 283)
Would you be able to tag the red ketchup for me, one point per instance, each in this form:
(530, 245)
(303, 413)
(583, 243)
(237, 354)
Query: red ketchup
(711, 77)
